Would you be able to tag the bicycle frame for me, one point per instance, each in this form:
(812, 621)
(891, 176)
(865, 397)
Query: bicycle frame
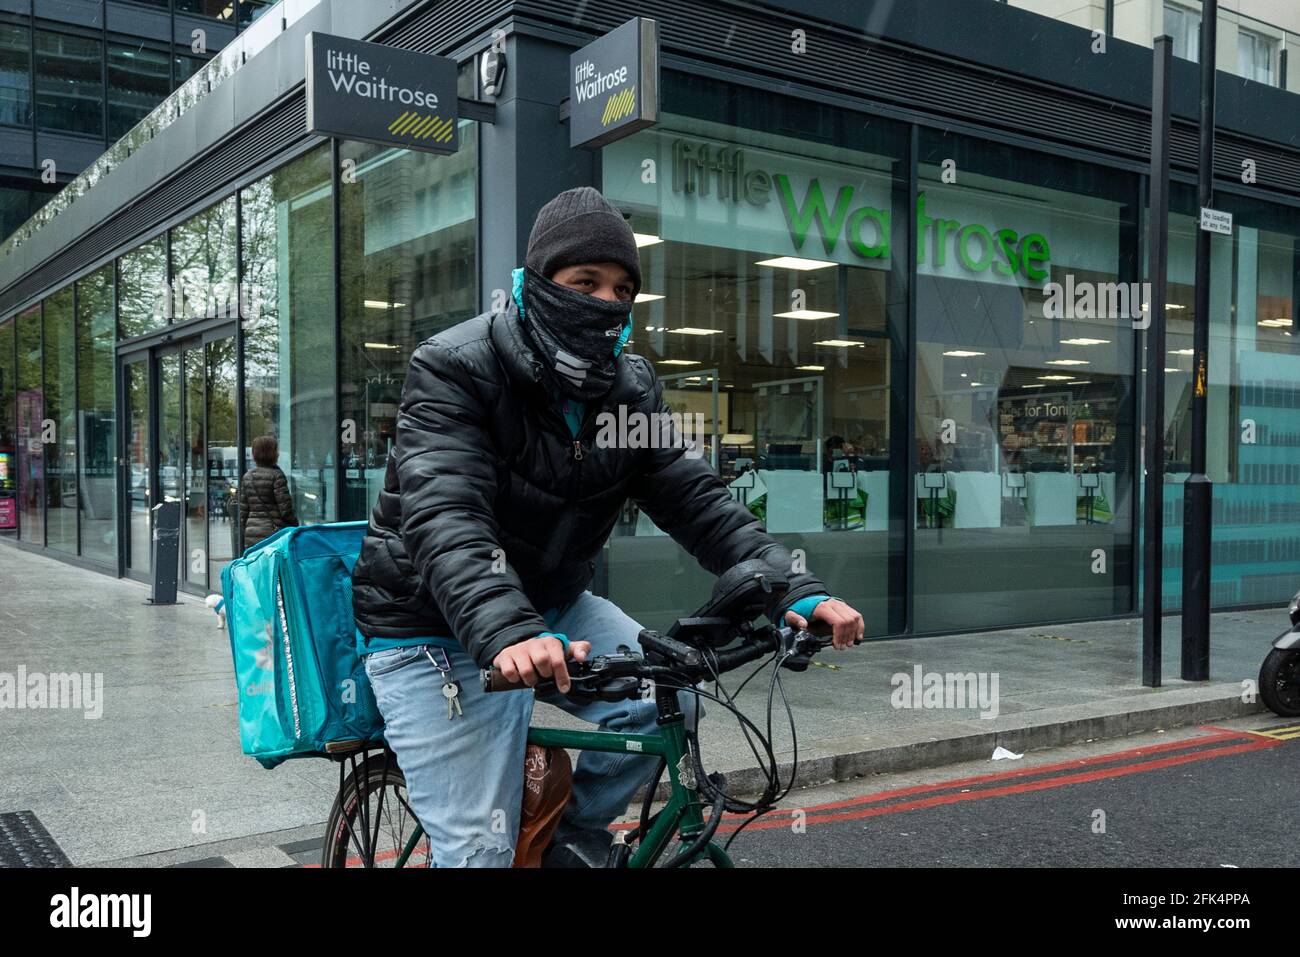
(681, 813)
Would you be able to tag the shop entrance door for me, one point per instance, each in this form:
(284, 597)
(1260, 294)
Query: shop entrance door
(180, 444)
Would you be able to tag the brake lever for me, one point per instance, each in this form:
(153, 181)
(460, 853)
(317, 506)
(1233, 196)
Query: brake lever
(802, 645)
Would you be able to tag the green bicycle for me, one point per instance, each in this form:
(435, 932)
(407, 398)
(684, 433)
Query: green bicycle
(372, 823)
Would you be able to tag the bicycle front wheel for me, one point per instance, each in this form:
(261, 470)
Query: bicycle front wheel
(372, 823)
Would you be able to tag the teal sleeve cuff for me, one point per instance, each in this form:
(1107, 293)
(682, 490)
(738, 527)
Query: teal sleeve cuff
(804, 606)
(564, 639)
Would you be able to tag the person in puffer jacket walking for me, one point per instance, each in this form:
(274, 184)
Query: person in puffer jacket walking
(265, 505)
(496, 500)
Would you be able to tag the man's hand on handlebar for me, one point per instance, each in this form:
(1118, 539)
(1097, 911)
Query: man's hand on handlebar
(846, 624)
(537, 659)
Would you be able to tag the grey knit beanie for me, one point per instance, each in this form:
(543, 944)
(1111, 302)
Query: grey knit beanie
(581, 226)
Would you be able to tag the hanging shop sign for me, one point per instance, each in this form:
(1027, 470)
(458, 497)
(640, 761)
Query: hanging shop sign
(614, 84)
(380, 94)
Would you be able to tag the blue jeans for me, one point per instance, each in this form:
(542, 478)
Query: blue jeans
(465, 776)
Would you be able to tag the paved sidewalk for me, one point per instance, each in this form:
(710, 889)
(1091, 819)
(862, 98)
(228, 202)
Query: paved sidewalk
(161, 770)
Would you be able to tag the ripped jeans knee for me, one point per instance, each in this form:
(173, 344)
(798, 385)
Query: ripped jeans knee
(482, 855)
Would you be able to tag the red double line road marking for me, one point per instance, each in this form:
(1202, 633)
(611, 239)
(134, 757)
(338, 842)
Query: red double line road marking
(816, 815)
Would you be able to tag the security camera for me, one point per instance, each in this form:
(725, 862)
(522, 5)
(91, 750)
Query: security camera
(492, 71)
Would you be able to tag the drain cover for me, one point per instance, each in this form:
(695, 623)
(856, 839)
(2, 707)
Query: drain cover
(24, 842)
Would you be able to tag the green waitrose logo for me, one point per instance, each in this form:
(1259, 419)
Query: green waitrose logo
(700, 168)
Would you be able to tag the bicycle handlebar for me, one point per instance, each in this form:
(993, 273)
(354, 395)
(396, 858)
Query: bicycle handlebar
(620, 675)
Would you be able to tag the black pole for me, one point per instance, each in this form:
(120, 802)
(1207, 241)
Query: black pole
(1198, 493)
(1154, 457)
(1110, 18)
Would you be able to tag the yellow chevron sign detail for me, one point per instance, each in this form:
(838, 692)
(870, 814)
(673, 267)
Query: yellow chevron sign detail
(618, 106)
(423, 126)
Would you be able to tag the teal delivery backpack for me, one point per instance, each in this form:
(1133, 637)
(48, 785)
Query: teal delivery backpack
(288, 605)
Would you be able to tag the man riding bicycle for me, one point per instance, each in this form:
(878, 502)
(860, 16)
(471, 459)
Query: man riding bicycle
(480, 550)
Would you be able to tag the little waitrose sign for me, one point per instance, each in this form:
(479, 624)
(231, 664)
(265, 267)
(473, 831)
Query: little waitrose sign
(818, 218)
(746, 197)
(380, 94)
(614, 84)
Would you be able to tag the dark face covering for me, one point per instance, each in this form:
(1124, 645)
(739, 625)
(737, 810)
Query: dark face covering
(577, 335)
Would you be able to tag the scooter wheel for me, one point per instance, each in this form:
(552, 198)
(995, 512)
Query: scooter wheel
(1279, 682)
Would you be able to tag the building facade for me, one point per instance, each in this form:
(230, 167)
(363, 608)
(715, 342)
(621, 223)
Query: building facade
(1255, 38)
(865, 239)
(76, 75)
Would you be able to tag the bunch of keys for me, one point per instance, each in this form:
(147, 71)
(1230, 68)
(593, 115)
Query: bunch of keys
(450, 688)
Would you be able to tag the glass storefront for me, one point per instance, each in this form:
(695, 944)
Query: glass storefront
(59, 427)
(8, 436)
(29, 414)
(1025, 400)
(772, 234)
(1252, 400)
(408, 269)
(96, 417)
(143, 297)
(288, 325)
(932, 396)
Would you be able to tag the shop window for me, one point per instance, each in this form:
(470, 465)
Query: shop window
(205, 279)
(1026, 306)
(1252, 403)
(96, 419)
(409, 234)
(144, 296)
(8, 434)
(771, 244)
(59, 425)
(29, 413)
(289, 344)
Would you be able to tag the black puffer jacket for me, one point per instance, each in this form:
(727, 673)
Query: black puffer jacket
(492, 512)
(265, 505)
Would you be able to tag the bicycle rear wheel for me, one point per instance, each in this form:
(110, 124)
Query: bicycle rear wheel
(372, 823)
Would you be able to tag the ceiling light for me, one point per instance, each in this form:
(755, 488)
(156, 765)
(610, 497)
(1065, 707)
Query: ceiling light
(1067, 362)
(973, 384)
(695, 331)
(811, 368)
(1084, 341)
(1275, 323)
(1171, 369)
(1181, 352)
(806, 314)
(647, 296)
(1080, 382)
(380, 304)
(794, 262)
(646, 239)
(962, 353)
(380, 345)
(1056, 378)
(1032, 385)
(678, 362)
(838, 343)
